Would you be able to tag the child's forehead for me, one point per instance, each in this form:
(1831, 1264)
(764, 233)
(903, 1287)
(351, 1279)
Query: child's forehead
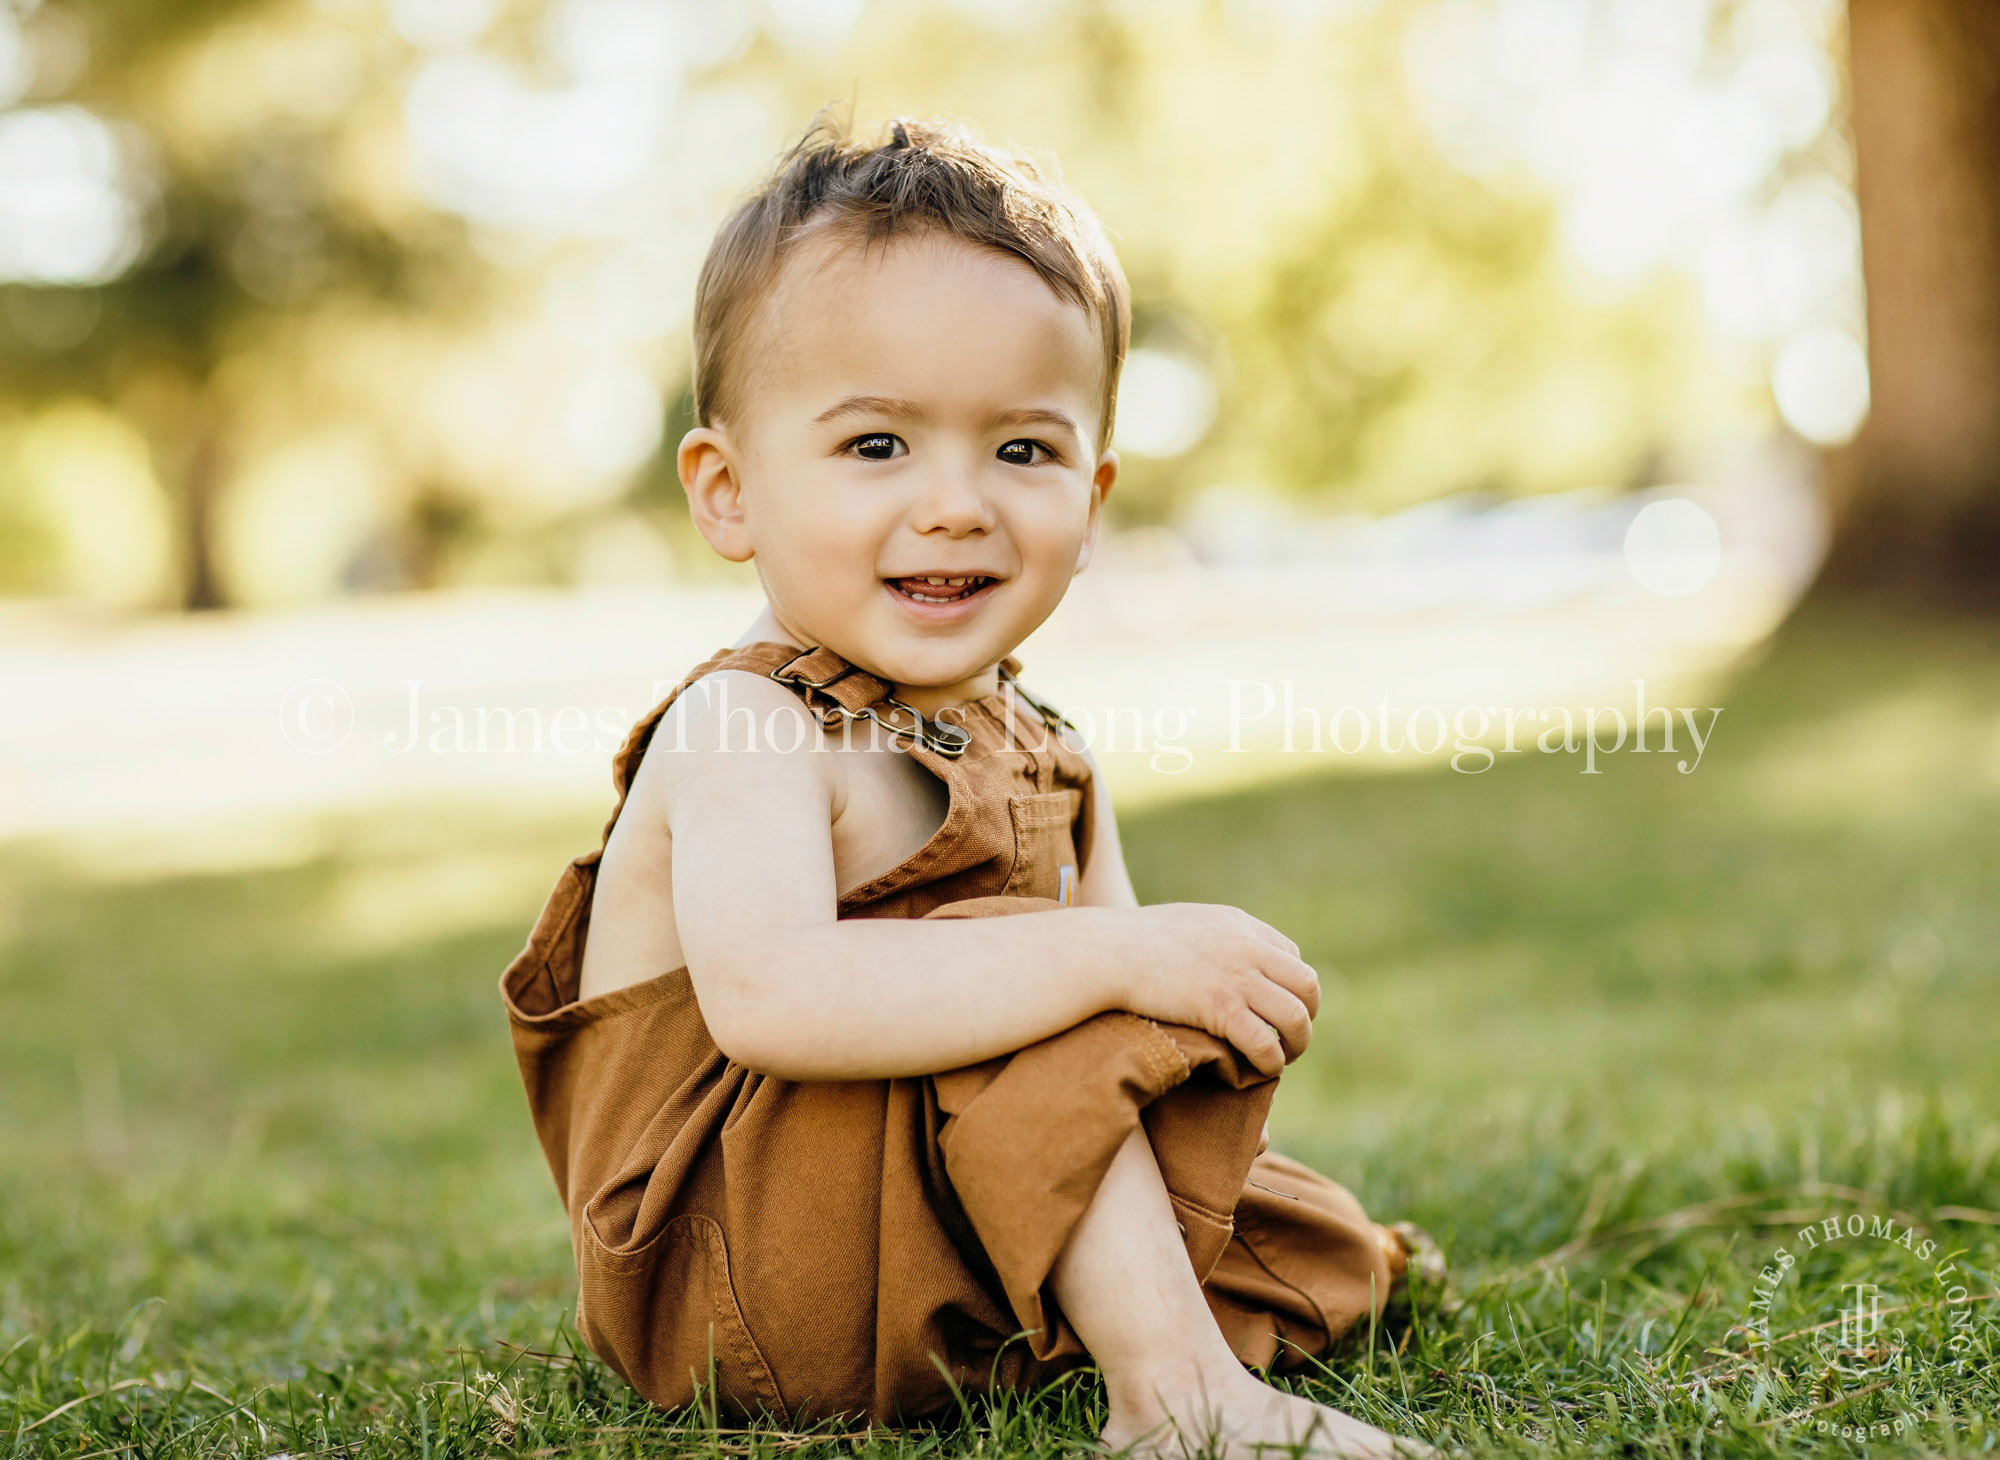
(831, 250)
(838, 300)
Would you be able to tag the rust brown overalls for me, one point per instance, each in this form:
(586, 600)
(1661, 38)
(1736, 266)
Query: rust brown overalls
(821, 1241)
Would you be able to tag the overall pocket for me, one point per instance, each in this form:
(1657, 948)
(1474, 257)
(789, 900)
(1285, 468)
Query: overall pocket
(1043, 845)
(657, 1313)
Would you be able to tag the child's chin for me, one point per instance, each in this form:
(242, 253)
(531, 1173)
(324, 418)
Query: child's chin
(937, 658)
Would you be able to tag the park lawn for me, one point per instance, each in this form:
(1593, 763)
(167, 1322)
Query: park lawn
(267, 1182)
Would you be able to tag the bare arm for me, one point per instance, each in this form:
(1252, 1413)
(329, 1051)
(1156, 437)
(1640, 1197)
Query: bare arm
(790, 990)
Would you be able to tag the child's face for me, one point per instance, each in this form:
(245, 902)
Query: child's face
(924, 409)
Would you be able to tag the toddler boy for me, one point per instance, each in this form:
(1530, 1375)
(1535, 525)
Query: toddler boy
(826, 1142)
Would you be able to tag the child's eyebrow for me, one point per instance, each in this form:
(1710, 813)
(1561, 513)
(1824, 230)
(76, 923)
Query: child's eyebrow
(873, 405)
(909, 410)
(1036, 416)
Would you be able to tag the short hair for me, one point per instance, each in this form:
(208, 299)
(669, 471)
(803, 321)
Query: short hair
(923, 175)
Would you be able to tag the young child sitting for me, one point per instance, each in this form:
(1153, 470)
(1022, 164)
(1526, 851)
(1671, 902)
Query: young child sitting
(852, 1050)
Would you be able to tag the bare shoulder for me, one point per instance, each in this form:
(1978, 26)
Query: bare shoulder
(731, 701)
(733, 728)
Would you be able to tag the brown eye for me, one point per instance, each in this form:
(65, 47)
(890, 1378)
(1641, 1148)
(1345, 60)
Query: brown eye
(1021, 453)
(878, 447)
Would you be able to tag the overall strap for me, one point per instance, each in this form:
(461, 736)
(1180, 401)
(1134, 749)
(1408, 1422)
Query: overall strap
(835, 690)
(832, 689)
(829, 684)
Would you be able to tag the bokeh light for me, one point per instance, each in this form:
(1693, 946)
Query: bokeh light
(68, 210)
(1673, 547)
(1679, 134)
(612, 418)
(1821, 384)
(1165, 403)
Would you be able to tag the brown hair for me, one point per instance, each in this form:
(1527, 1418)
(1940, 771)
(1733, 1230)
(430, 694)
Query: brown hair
(923, 175)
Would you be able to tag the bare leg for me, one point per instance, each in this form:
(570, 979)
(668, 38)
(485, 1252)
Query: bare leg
(1125, 1282)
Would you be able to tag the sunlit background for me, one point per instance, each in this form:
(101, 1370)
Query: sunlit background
(325, 299)
(367, 322)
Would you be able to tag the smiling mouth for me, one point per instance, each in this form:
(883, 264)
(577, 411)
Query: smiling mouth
(938, 588)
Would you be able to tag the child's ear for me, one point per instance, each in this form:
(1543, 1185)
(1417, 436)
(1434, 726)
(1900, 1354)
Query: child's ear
(1101, 482)
(707, 462)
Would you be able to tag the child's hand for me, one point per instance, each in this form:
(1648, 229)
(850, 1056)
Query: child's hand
(1220, 969)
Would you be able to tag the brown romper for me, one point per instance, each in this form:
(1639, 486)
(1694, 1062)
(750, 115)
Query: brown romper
(820, 1242)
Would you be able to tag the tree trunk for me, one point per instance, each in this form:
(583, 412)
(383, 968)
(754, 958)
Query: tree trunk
(201, 586)
(1917, 496)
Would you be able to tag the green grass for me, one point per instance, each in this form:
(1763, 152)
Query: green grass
(267, 1182)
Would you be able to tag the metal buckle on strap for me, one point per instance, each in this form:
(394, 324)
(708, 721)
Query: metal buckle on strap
(935, 735)
(782, 677)
(950, 741)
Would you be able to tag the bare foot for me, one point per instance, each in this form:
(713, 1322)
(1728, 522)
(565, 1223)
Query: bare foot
(1239, 1417)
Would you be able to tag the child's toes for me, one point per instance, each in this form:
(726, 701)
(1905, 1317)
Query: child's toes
(1418, 1274)
(1424, 1259)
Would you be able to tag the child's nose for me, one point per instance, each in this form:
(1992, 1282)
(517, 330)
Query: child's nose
(952, 500)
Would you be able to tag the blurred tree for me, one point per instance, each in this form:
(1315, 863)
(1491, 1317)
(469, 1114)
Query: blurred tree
(247, 239)
(1919, 491)
(1382, 329)
(412, 306)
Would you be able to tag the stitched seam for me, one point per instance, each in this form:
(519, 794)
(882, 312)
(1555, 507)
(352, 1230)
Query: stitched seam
(1221, 1219)
(957, 827)
(1028, 819)
(722, 1294)
(1169, 1066)
(1044, 808)
(598, 1007)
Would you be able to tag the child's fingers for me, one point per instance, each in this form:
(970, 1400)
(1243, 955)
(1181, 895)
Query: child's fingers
(1257, 1040)
(1272, 936)
(1285, 1014)
(1296, 977)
